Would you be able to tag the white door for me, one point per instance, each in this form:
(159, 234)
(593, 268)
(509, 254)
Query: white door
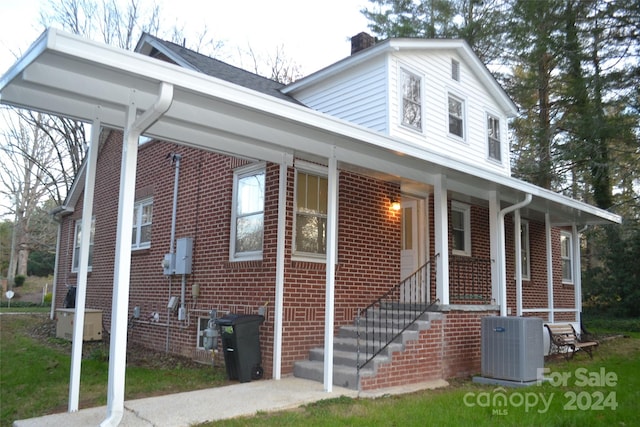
(409, 263)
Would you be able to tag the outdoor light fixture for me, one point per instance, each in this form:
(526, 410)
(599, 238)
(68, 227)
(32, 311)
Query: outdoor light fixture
(395, 205)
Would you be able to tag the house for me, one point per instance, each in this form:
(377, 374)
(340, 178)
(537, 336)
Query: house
(387, 173)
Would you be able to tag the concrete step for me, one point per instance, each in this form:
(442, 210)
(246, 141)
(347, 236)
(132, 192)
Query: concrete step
(343, 376)
(347, 358)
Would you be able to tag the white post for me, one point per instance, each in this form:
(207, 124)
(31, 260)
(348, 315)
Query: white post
(547, 226)
(83, 264)
(517, 232)
(441, 226)
(577, 273)
(332, 258)
(494, 243)
(280, 249)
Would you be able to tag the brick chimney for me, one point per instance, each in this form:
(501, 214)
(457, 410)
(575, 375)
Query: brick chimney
(361, 41)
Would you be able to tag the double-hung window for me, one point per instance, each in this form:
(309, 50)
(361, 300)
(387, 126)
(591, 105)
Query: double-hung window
(461, 229)
(142, 220)
(247, 226)
(493, 137)
(456, 116)
(75, 266)
(566, 254)
(311, 213)
(411, 100)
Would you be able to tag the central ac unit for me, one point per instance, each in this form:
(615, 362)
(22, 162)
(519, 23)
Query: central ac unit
(512, 348)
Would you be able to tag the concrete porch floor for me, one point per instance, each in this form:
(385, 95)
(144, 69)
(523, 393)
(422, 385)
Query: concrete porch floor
(200, 406)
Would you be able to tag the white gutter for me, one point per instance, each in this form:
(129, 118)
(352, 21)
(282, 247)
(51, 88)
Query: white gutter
(502, 259)
(120, 301)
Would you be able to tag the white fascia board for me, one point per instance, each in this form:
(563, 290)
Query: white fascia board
(152, 42)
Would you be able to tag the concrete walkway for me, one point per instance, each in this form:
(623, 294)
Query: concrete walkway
(201, 406)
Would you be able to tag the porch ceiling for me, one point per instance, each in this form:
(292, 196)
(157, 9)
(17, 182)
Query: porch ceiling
(69, 76)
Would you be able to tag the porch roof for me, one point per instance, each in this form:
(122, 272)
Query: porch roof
(66, 75)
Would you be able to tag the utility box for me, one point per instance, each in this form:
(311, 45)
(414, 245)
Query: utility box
(184, 255)
(65, 319)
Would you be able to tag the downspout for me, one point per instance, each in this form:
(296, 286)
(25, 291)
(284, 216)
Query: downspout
(120, 303)
(502, 259)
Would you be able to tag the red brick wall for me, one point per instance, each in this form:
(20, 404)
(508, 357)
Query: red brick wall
(451, 347)
(368, 257)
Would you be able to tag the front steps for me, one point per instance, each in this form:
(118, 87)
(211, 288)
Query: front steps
(345, 351)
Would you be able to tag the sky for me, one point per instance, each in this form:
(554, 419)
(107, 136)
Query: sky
(311, 34)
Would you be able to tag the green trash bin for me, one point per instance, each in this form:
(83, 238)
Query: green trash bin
(240, 336)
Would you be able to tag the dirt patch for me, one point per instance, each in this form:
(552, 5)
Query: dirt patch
(137, 355)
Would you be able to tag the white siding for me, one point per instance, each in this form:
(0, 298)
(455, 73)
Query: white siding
(358, 96)
(435, 69)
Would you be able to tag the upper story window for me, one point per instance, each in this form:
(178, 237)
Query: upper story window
(311, 213)
(566, 253)
(461, 228)
(455, 70)
(493, 137)
(247, 218)
(75, 264)
(456, 116)
(524, 250)
(411, 100)
(142, 219)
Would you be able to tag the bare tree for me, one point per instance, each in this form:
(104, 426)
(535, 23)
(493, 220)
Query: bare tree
(29, 172)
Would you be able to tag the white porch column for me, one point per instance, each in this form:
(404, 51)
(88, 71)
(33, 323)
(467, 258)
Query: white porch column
(122, 263)
(547, 227)
(282, 215)
(494, 242)
(441, 219)
(517, 233)
(502, 250)
(577, 270)
(83, 264)
(332, 258)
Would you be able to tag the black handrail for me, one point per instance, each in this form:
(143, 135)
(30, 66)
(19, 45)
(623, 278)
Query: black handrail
(379, 324)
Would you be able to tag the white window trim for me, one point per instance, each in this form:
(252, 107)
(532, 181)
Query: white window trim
(466, 217)
(497, 117)
(401, 70)
(237, 175)
(313, 169)
(74, 261)
(137, 209)
(570, 257)
(526, 249)
(463, 101)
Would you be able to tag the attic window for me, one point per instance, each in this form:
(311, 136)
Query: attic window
(455, 70)
(411, 100)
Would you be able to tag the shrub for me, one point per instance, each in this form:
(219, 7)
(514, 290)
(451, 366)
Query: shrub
(48, 298)
(19, 280)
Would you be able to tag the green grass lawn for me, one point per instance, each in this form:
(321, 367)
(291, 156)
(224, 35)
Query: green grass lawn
(34, 373)
(582, 393)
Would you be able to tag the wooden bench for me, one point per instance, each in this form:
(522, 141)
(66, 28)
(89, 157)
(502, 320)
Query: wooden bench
(563, 339)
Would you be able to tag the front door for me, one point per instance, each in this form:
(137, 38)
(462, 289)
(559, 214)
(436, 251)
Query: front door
(409, 262)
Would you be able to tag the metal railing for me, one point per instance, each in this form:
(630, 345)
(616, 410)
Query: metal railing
(379, 324)
(469, 280)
